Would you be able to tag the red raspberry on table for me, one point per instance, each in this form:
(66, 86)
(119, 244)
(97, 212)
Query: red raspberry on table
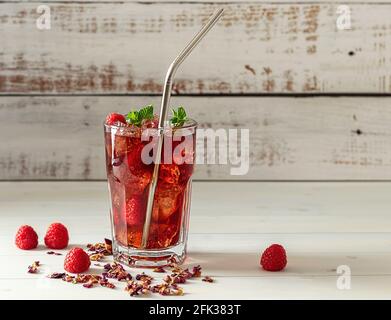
(114, 118)
(274, 258)
(56, 236)
(26, 238)
(77, 261)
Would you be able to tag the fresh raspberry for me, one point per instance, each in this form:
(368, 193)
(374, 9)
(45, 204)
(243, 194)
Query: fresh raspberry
(26, 238)
(274, 258)
(135, 211)
(150, 123)
(114, 118)
(56, 236)
(77, 261)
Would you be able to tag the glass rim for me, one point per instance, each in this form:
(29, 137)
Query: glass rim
(189, 124)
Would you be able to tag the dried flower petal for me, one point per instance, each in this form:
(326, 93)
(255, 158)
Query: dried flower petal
(68, 278)
(104, 248)
(96, 256)
(54, 253)
(56, 275)
(168, 279)
(116, 271)
(159, 270)
(197, 271)
(134, 288)
(176, 269)
(163, 289)
(107, 284)
(166, 289)
(177, 291)
(144, 278)
(88, 285)
(207, 279)
(179, 275)
(34, 267)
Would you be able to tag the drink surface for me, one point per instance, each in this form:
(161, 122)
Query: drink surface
(129, 176)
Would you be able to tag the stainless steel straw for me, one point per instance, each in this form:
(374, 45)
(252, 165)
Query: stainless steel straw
(163, 114)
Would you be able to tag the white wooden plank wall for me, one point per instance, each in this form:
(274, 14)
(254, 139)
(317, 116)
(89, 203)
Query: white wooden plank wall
(113, 55)
(319, 138)
(256, 48)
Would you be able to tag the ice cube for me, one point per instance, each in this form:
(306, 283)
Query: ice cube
(135, 211)
(133, 184)
(123, 139)
(169, 173)
(166, 201)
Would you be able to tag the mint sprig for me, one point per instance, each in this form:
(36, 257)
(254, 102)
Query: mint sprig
(179, 117)
(136, 117)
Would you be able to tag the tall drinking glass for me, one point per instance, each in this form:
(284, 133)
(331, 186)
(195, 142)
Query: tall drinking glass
(129, 164)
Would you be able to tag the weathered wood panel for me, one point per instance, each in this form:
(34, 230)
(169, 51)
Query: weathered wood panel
(257, 48)
(290, 138)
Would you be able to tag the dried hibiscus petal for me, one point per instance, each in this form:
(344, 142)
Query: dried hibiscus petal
(134, 288)
(34, 267)
(68, 278)
(96, 256)
(197, 271)
(105, 248)
(54, 253)
(116, 271)
(88, 284)
(159, 270)
(167, 289)
(106, 283)
(207, 279)
(176, 290)
(144, 278)
(57, 275)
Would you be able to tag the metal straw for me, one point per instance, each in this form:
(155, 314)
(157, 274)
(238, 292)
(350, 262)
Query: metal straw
(163, 114)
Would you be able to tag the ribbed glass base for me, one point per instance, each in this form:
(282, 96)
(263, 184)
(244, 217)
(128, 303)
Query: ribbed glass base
(133, 257)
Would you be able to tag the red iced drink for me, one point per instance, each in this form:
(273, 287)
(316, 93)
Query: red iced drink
(129, 151)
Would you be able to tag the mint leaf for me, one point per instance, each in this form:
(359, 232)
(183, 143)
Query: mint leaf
(179, 117)
(146, 112)
(136, 117)
(132, 116)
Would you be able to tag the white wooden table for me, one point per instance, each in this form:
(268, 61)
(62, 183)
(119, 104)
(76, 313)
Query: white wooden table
(322, 226)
